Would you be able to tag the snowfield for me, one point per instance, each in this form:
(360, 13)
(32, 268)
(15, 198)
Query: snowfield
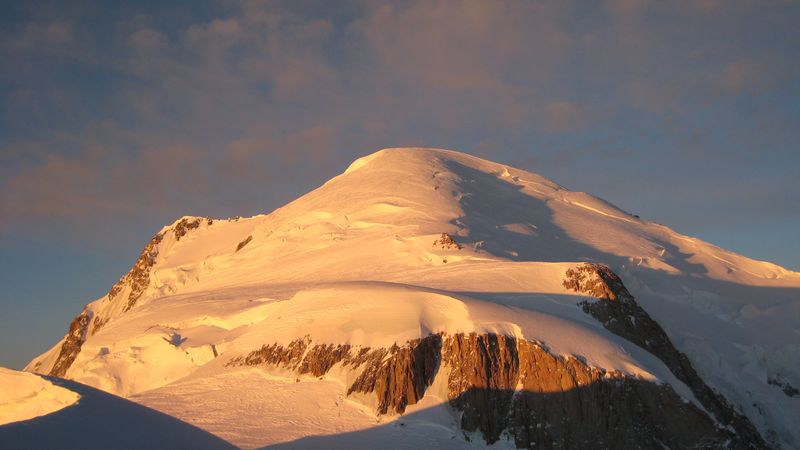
(361, 261)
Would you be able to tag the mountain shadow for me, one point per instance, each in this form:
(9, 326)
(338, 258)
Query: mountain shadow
(104, 421)
(621, 414)
(490, 202)
(693, 307)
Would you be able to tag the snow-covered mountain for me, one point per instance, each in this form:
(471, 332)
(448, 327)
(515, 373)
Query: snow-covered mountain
(435, 299)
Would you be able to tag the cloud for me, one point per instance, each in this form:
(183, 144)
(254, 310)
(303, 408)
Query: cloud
(460, 60)
(40, 36)
(626, 8)
(220, 109)
(148, 40)
(564, 115)
(99, 185)
(96, 183)
(214, 37)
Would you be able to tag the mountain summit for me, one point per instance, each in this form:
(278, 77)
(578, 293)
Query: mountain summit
(430, 298)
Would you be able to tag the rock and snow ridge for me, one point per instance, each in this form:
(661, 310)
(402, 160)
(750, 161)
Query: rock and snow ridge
(411, 244)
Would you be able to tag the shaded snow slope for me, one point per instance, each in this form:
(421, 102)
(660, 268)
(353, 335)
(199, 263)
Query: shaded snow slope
(363, 260)
(24, 396)
(103, 421)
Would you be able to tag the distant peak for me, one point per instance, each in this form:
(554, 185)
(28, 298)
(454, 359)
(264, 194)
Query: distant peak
(363, 161)
(418, 154)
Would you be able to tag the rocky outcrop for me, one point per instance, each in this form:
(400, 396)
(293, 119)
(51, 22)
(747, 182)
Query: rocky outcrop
(98, 323)
(138, 278)
(484, 370)
(288, 357)
(446, 242)
(72, 344)
(402, 377)
(184, 225)
(617, 310)
(398, 376)
(243, 243)
(596, 280)
(784, 385)
(506, 386)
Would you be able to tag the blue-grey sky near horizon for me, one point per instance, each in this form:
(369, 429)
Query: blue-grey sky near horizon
(118, 117)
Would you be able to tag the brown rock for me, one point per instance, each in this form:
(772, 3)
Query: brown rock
(97, 324)
(619, 313)
(288, 357)
(504, 385)
(184, 226)
(402, 378)
(541, 400)
(446, 242)
(138, 278)
(321, 358)
(244, 242)
(72, 344)
(484, 370)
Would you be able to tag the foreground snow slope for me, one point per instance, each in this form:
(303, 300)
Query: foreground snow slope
(24, 396)
(299, 409)
(363, 261)
(97, 421)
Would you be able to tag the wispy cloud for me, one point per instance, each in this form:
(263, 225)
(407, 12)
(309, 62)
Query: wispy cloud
(113, 113)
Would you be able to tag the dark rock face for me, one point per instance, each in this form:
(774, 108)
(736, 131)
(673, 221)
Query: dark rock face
(98, 323)
(398, 376)
(484, 370)
(501, 383)
(138, 278)
(321, 358)
(504, 385)
(619, 313)
(184, 225)
(244, 242)
(594, 279)
(446, 242)
(72, 344)
(402, 378)
(784, 385)
(619, 414)
(288, 357)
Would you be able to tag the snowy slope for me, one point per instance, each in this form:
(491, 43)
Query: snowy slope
(24, 396)
(297, 410)
(361, 261)
(77, 416)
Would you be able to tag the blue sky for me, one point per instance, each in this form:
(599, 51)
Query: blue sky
(117, 118)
